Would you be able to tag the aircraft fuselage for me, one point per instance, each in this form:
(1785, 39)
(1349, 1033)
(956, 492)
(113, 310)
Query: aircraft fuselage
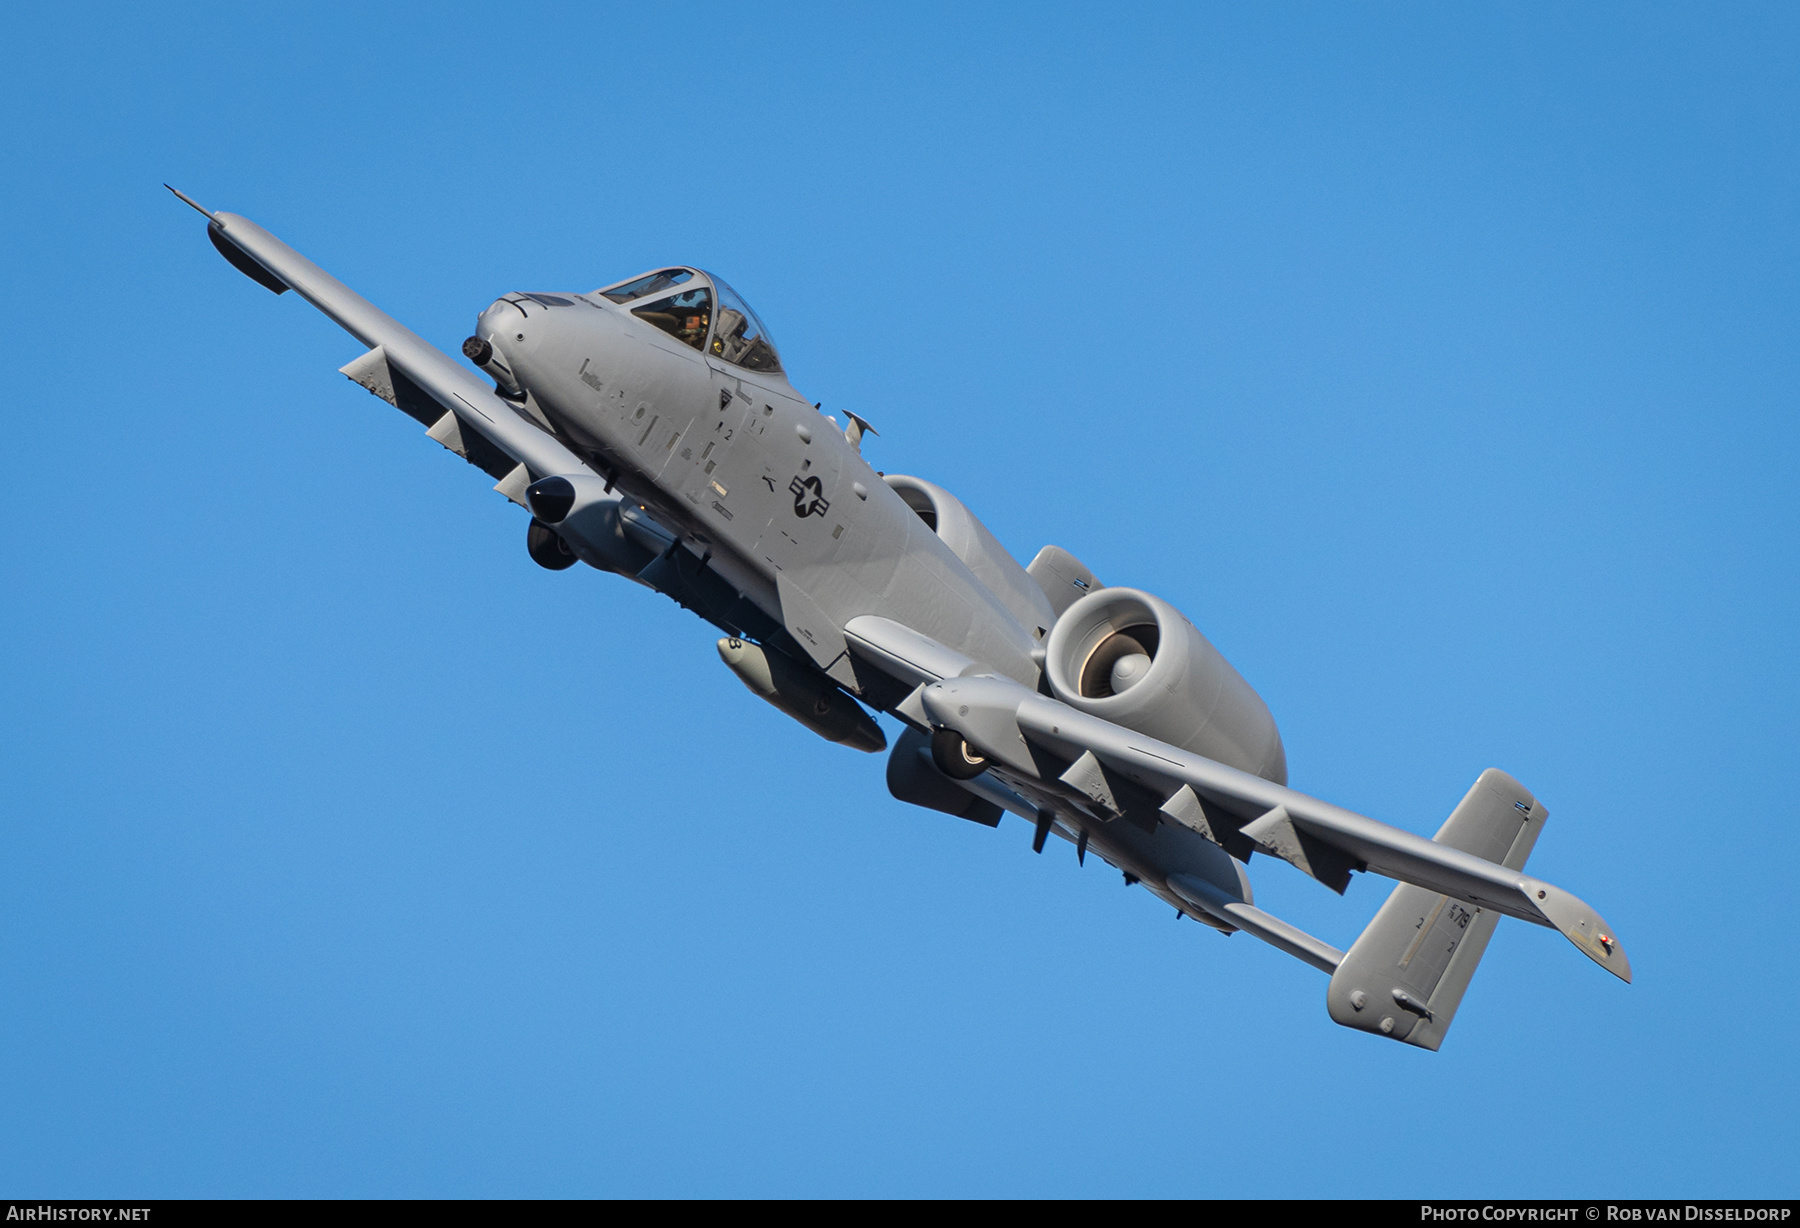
(773, 496)
(752, 475)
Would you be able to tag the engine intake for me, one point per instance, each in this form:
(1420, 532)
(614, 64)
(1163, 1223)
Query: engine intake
(1133, 659)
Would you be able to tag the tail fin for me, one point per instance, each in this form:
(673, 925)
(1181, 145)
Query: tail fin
(1406, 974)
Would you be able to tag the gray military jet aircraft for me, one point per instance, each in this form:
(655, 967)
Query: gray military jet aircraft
(650, 430)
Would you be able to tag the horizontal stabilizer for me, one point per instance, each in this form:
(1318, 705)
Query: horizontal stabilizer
(1255, 922)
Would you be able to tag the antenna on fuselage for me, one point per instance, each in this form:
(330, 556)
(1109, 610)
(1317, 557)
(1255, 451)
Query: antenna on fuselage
(859, 426)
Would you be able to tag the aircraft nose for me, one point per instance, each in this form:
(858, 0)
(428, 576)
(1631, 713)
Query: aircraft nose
(505, 335)
(505, 325)
(515, 327)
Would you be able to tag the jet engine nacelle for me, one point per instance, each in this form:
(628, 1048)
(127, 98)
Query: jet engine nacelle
(1133, 659)
(970, 541)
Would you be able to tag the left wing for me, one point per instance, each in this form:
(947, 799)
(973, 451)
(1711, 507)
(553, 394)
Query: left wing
(1104, 767)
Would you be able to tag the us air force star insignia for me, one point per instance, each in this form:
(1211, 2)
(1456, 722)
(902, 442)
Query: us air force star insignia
(809, 497)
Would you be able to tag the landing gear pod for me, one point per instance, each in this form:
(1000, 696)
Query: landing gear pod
(547, 548)
(955, 758)
(588, 522)
(913, 777)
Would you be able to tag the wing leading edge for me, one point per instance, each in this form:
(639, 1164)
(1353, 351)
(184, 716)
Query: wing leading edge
(402, 368)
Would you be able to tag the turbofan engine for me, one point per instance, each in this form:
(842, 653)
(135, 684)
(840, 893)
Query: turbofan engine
(1130, 658)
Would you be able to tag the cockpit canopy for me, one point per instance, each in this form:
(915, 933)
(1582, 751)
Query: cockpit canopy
(702, 312)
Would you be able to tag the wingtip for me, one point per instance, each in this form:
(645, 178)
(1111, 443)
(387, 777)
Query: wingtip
(1580, 924)
(191, 202)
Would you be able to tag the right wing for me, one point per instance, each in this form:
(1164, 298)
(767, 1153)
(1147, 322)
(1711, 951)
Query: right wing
(466, 415)
(402, 368)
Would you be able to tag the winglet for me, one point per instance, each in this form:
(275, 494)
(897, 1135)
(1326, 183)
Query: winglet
(185, 198)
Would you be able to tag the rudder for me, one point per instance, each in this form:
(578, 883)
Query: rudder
(1406, 974)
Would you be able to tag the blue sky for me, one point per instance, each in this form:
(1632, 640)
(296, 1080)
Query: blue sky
(1438, 361)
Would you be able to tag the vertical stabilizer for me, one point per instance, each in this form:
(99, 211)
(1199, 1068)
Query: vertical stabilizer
(1406, 974)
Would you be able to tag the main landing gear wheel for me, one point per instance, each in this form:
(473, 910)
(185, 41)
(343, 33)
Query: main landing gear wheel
(955, 758)
(547, 548)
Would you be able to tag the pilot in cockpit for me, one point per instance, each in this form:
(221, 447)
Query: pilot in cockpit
(739, 338)
(682, 316)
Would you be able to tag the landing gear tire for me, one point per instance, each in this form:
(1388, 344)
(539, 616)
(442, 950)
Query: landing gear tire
(955, 758)
(547, 548)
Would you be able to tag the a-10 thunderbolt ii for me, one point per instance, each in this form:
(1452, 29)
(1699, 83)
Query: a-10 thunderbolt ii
(650, 430)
